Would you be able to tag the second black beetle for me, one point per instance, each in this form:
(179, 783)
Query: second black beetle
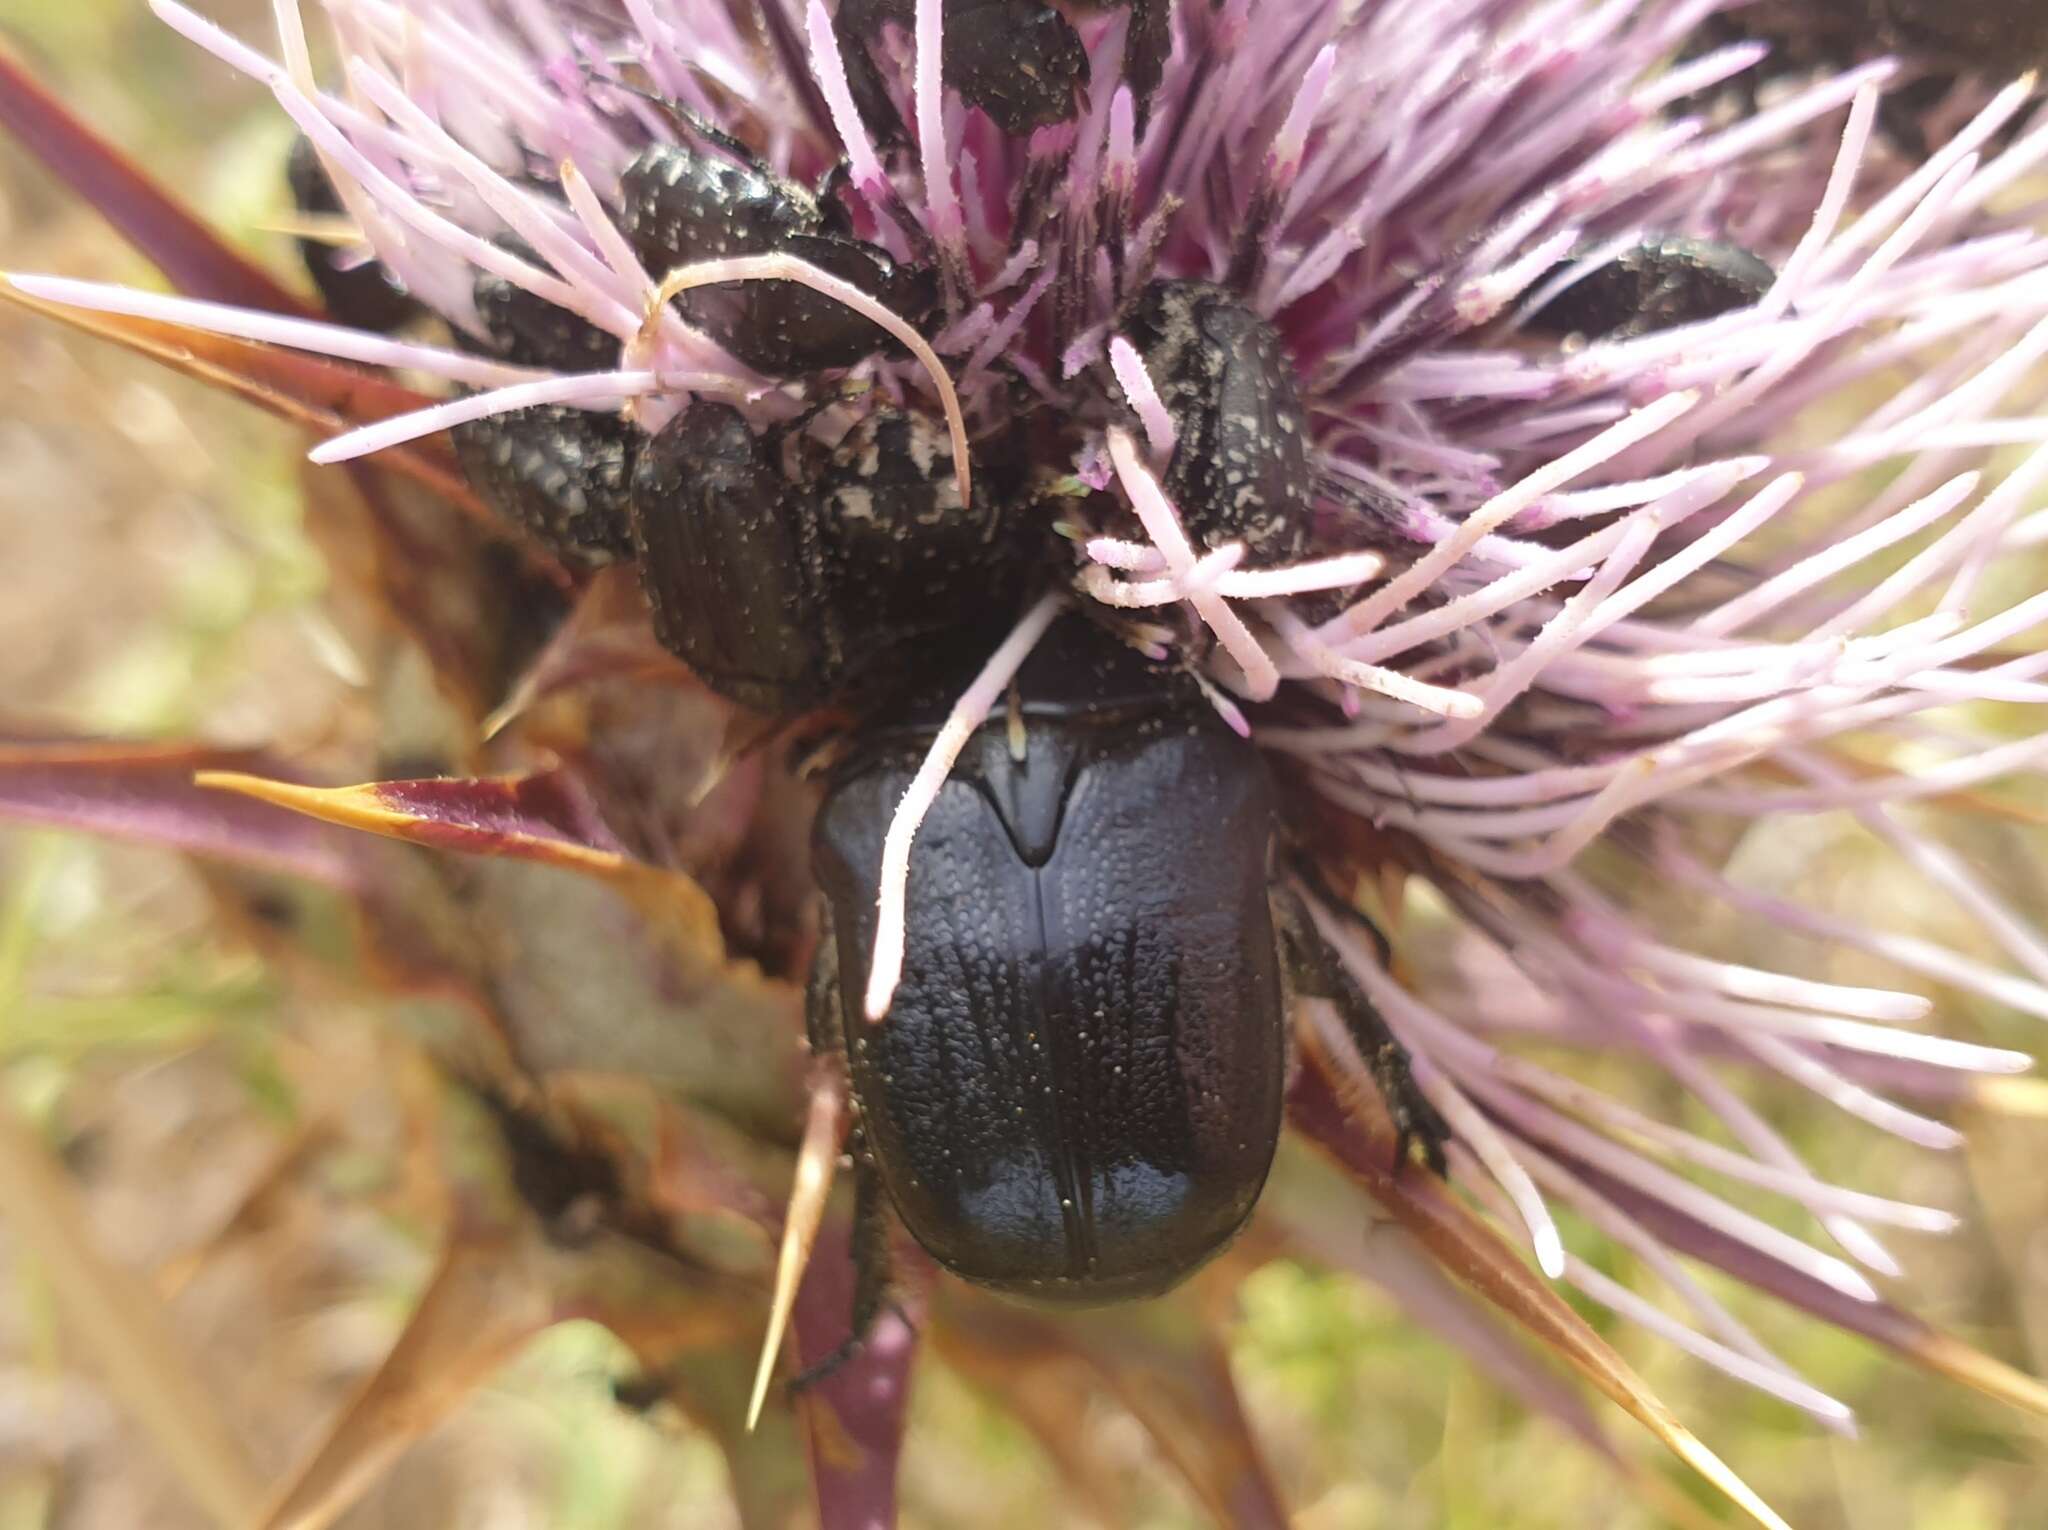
(679, 206)
(1240, 466)
(1075, 1097)
(1660, 283)
(1939, 41)
(787, 573)
(362, 294)
(562, 473)
(1020, 61)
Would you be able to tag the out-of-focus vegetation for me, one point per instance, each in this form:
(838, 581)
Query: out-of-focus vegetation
(231, 1135)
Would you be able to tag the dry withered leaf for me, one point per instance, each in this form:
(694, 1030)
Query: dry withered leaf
(118, 1320)
(486, 1297)
(594, 960)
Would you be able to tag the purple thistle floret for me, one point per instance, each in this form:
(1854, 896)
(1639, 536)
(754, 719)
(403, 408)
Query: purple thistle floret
(1576, 595)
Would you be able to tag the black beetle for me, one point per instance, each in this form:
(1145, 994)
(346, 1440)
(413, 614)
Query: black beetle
(1663, 282)
(532, 332)
(678, 206)
(1147, 45)
(362, 295)
(562, 473)
(788, 574)
(1940, 39)
(1240, 469)
(1020, 61)
(1994, 37)
(1076, 1096)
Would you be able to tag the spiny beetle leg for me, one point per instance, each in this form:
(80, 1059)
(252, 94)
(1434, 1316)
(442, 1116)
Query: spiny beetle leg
(684, 118)
(823, 1020)
(1309, 873)
(870, 1272)
(1317, 971)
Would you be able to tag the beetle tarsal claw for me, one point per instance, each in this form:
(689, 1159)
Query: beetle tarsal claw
(1417, 1123)
(816, 1161)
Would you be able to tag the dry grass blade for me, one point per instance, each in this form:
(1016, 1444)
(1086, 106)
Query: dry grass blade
(118, 1319)
(485, 1299)
(815, 1163)
(1331, 1109)
(258, 1203)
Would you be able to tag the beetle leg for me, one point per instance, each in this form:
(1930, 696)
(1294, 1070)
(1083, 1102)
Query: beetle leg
(837, 175)
(688, 121)
(1310, 875)
(822, 1017)
(870, 1270)
(824, 1020)
(854, 24)
(1316, 971)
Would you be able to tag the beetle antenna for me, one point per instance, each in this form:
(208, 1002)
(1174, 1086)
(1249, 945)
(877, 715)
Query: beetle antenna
(817, 1160)
(838, 175)
(968, 714)
(682, 117)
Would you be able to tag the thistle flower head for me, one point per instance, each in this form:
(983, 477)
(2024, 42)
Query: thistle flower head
(1578, 609)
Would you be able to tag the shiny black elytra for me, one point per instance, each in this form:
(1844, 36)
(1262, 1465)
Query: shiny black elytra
(1240, 467)
(679, 206)
(1663, 282)
(1075, 1097)
(788, 574)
